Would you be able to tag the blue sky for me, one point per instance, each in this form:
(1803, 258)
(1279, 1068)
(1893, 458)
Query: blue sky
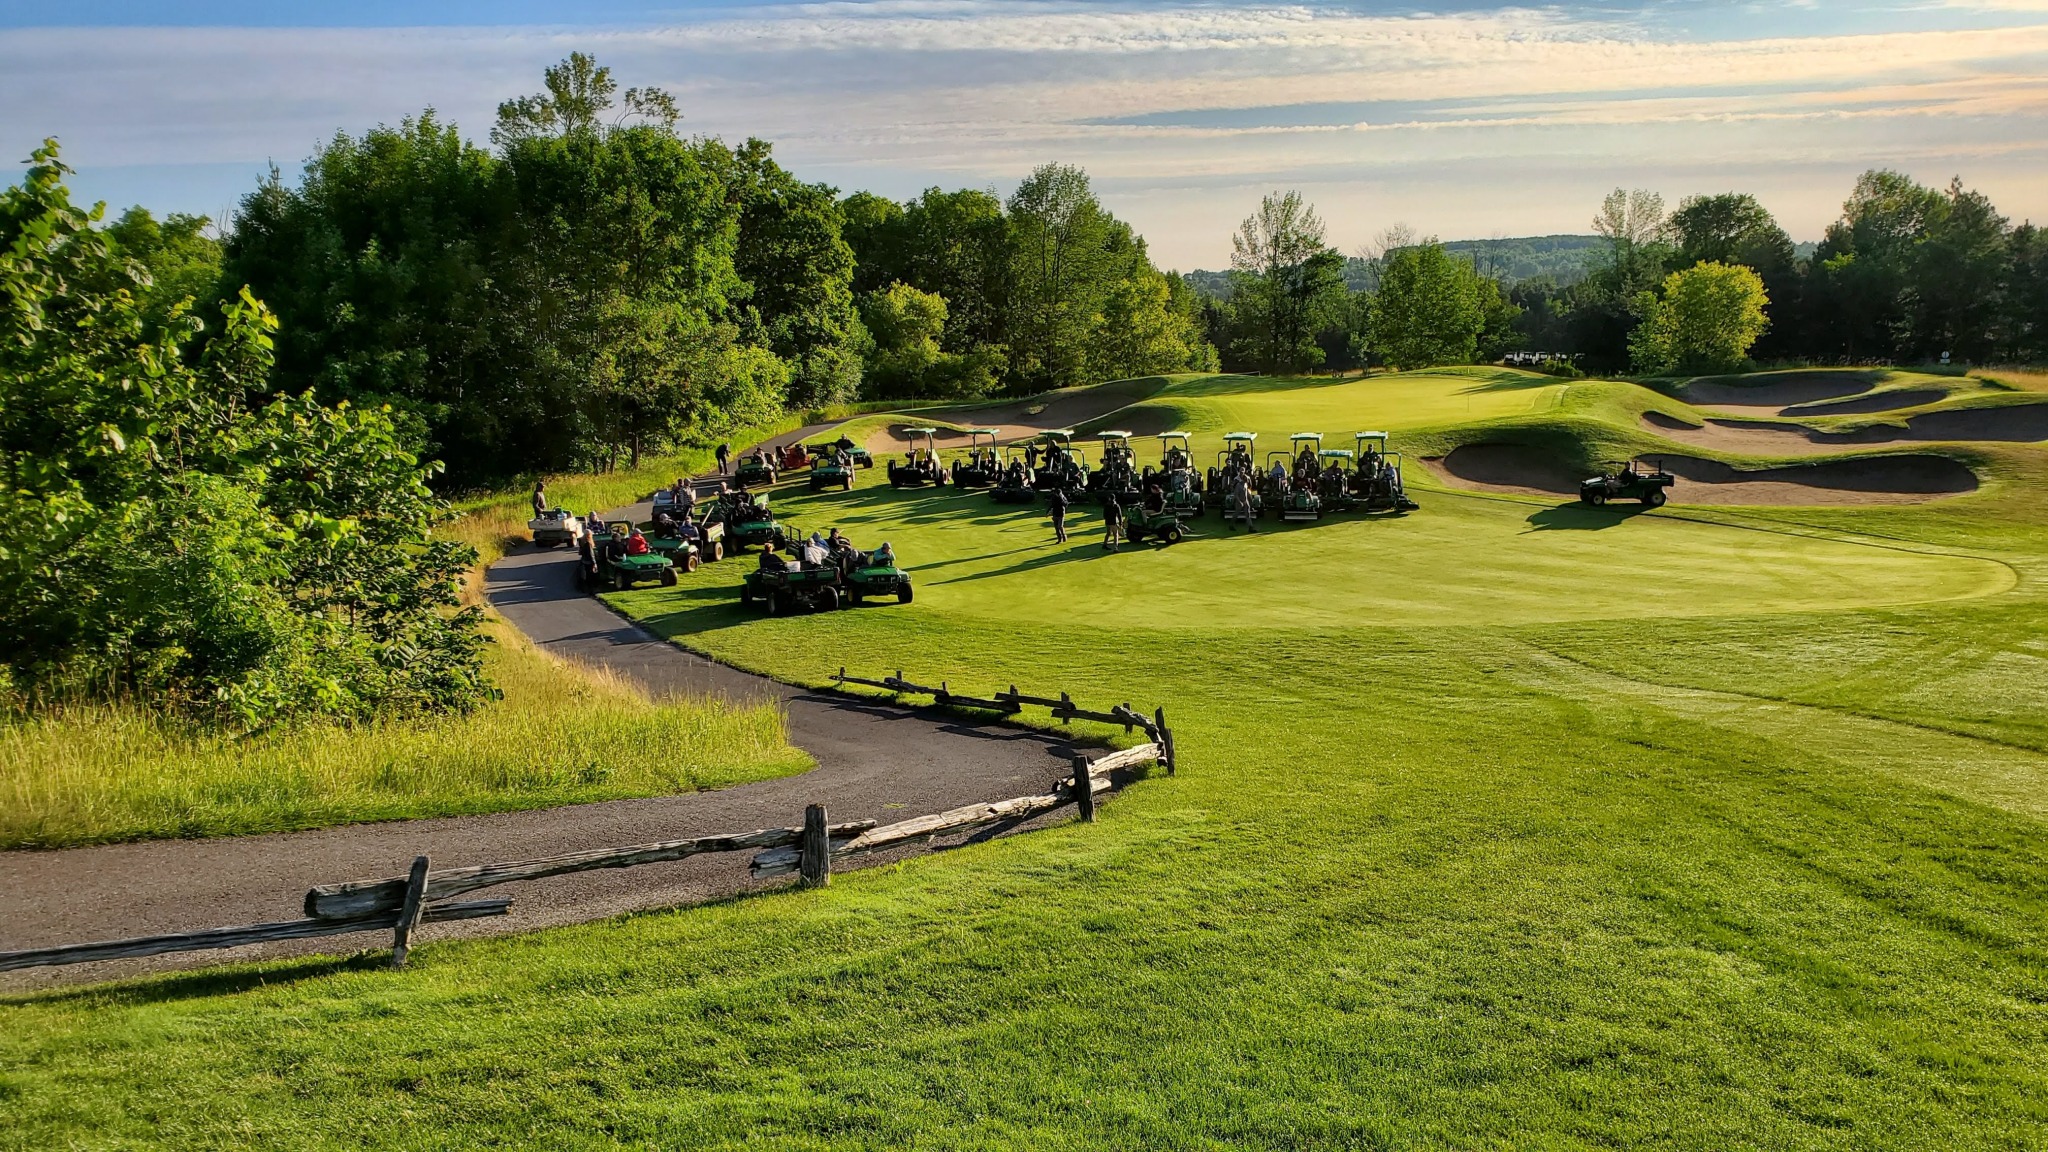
(1462, 119)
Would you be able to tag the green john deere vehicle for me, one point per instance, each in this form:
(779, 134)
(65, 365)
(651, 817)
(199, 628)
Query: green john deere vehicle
(1164, 526)
(1118, 473)
(1015, 486)
(1063, 464)
(756, 470)
(1177, 476)
(982, 467)
(832, 468)
(1334, 484)
(1376, 478)
(679, 540)
(1292, 488)
(785, 587)
(610, 567)
(745, 523)
(873, 574)
(1238, 452)
(919, 466)
(1628, 480)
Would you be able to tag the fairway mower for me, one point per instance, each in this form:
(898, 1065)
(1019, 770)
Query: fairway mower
(832, 468)
(1334, 484)
(1376, 480)
(1118, 475)
(608, 564)
(1628, 480)
(756, 470)
(1237, 454)
(1062, 464)
(982, 467)
(919, 466)
(1014, 486)
(1289, 481)
(558, 526)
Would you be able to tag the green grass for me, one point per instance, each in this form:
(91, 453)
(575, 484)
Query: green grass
(1702, 829)
(562, 735)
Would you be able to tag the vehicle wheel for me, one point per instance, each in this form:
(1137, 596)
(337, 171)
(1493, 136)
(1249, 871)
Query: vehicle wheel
(1596, 499)
(778, 603)
(1171, 535)
(621, 582)
(746, 597)
(668, 577)
(903, 593)
(852, 598)
(1654, 498)
(828, 600)
(690, 563)
(717, 550)
(1135, 535)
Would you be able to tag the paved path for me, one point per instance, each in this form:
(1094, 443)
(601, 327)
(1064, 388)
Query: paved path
(874, 761)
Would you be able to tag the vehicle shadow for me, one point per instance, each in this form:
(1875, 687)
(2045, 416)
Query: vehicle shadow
(1578, 516)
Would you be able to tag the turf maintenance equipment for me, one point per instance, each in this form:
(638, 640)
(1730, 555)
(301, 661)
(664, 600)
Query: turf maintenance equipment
(555, 526)
(1177, 476)
(1628, 480)
(982, 467)
(1376, 477)
(611, 567)
(1290, 478)
(1062, 465)
(832, 467)
(1015, 485)
(919, 466)
(1118, 473)
(757, 469)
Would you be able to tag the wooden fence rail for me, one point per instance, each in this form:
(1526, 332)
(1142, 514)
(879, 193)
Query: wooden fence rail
(402, 903)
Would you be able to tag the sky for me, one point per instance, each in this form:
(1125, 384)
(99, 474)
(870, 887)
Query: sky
(1462, 120)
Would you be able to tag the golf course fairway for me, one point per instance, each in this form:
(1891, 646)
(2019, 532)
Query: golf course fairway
(1507, 823)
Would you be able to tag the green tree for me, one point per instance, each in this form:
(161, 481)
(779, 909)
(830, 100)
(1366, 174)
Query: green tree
(1430, 309)
(1286, 284)
(184, 263)
(159, 537)
(1706, 319)
(907, 326)
(1061, 260)
(1954, 296)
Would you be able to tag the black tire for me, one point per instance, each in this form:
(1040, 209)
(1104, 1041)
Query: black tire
(621, 582)
(778, 602)
(903, 593)
(852, 598)
(1171, 535)
(828, 600)
(1654, 498)
(668, 577)
(1596, 499)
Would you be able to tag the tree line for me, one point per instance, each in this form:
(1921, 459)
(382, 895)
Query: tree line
(1908, 274)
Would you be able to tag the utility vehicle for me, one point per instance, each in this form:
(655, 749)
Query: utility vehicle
(756, 469)
(832, 468)
(1376, 481)
(1628, 480)
(982, 467)
(610, 567)
(919, 466)
(555, 526)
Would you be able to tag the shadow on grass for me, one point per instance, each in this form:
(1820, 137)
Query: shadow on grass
(204, 982)
(1583, 517)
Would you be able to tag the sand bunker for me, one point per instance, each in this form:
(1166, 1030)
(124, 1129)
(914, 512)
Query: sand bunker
(1905, 479)
(1776, 390)
(1870, 402)
(2009, 423)
(1023, 419)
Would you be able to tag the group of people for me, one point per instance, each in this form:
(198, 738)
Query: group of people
(834, 550)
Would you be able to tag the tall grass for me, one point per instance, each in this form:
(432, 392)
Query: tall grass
(94, 773)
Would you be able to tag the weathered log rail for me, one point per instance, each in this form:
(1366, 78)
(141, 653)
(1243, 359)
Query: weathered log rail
(400, 904)
(1012, 703)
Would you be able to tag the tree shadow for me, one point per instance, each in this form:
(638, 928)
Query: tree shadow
(206, 982)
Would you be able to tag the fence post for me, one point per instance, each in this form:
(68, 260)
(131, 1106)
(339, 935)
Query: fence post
(1127, 717)
(1084, 788)
(409, 912)
(815, 863)
(1165, 737)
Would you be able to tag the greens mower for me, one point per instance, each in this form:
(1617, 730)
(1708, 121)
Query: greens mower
(612, 568)
(1014, 485)
(1118, 475)
(920, 466)
(1177, 476)
(832, 468)
(1376, 481)
(1334, 484)
(1237, 452)
(982, 468)
(1065, 464)
(1623, 480)
(1293, 490)
(756, 470)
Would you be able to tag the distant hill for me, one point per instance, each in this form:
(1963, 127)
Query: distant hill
(1564, 258)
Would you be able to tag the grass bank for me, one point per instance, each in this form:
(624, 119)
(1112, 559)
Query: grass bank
(562, 735)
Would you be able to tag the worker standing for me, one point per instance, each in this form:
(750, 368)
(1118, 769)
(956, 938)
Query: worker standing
(1056, 503)
(724, 457)
(1112, 520)
(540, 499)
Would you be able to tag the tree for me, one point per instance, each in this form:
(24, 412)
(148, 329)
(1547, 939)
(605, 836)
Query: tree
(242, 564)
(1060, 257)
(1285, 283)
(1706, 320)
(183, 261)
(1429, 309)
(906, 326)
(1954, 294)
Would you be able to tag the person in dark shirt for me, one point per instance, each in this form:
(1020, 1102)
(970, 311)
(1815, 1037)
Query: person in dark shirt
(1112, 521)
(1056, 503)
(724, 457)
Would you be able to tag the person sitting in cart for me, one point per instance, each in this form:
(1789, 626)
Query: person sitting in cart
(815, 554)
(770, 562)
(636, 544)
(1155, 499)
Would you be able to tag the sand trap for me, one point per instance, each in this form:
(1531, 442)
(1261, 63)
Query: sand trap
(1023, 419)
(1910, 479)
(2009, 423)
(1775, 390)
(1870, 402)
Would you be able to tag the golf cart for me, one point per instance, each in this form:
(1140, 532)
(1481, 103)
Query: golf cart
(1628, 480)
(1118, 474)
(983, 466)
(1292, 489)
(920, 466)
(1177, 476)
(610, 567)
(832, 467)
(1013, 484)
(756, 469)
(556, 526)
(1064, 465)
(1376, 479)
